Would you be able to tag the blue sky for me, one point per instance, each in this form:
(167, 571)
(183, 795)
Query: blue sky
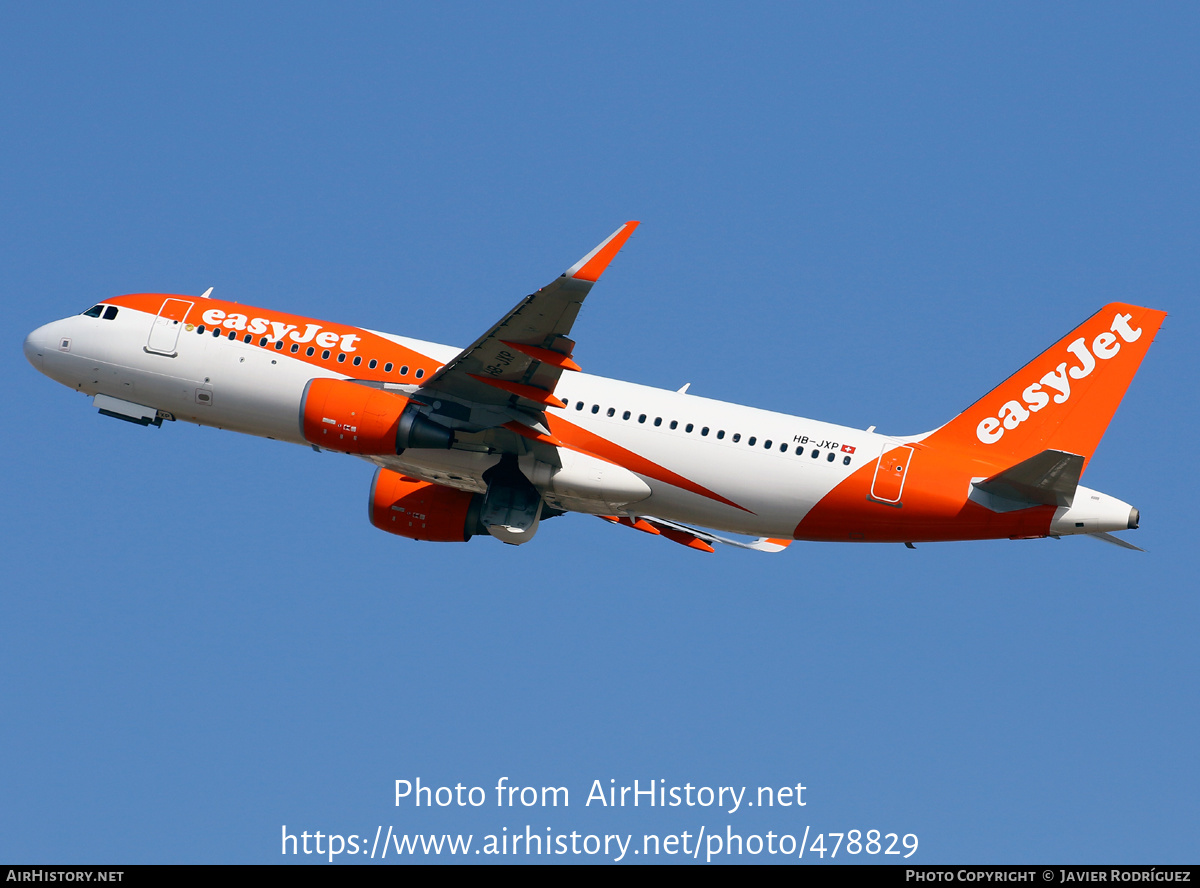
(863, 213)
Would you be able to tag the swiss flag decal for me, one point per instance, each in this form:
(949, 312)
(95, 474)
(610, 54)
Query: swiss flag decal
(846, 448)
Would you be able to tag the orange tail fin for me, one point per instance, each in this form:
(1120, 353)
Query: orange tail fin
(1063, 399)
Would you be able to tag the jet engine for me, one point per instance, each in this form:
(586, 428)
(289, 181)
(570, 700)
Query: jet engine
(423, 511)
(336, 414)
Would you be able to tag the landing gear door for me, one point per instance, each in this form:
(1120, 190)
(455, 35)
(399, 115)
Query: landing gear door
(888, 484)
(164, 333)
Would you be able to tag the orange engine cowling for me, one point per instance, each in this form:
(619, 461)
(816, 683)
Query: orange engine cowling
(337, 414)
(422, 511)
(340, 415)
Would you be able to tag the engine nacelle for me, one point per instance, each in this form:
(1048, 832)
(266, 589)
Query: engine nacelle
(423, 511)
(339, 415)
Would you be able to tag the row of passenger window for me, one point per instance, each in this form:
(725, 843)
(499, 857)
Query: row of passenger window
(310, 351)
(751, 441)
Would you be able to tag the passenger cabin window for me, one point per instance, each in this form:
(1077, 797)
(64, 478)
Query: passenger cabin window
(720, 434)
(625, 415)
(674, 424)
(387, 368)
(688, 428)
(845, 460)
(374, 363)
(110, 313)
(595, 408)
(341, 358)
(657, 420)
(751, 440)
(94, 311)
(404, 370)
(310, 351)
(612, 411)
(325, 355)
(831, 456)
(737, 436)
(246, 339)
(815, 454)
(420, 372)
(357, 360)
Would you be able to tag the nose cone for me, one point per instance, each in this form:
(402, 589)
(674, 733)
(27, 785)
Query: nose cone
(35, 347)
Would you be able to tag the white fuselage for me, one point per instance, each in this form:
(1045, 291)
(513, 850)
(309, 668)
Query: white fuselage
(760, 460)
(646, 451)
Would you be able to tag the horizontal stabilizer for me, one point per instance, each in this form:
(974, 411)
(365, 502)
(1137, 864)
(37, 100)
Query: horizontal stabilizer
(1047, 479)
(1116, 541)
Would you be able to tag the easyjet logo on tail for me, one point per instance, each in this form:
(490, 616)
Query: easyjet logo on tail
(1057, 384)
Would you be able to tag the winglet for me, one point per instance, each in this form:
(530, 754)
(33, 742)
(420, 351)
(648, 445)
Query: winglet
(769, 544)
(591, 266)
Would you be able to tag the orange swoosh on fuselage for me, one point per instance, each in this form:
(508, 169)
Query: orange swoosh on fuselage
(578, 438)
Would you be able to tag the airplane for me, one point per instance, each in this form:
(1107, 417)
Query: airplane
(491, 439)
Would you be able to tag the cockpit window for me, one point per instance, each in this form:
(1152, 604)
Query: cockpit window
(110, 313)
(94, 311)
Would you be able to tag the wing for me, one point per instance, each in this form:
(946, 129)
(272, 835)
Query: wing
(509, 374)
(694, 537)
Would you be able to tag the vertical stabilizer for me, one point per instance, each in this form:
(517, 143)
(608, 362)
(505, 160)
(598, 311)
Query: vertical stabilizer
(1062, 400)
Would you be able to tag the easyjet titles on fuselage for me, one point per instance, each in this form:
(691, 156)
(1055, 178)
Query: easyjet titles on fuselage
(277, 330)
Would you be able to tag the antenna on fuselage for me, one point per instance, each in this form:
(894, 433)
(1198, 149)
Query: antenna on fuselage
(206, 293)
